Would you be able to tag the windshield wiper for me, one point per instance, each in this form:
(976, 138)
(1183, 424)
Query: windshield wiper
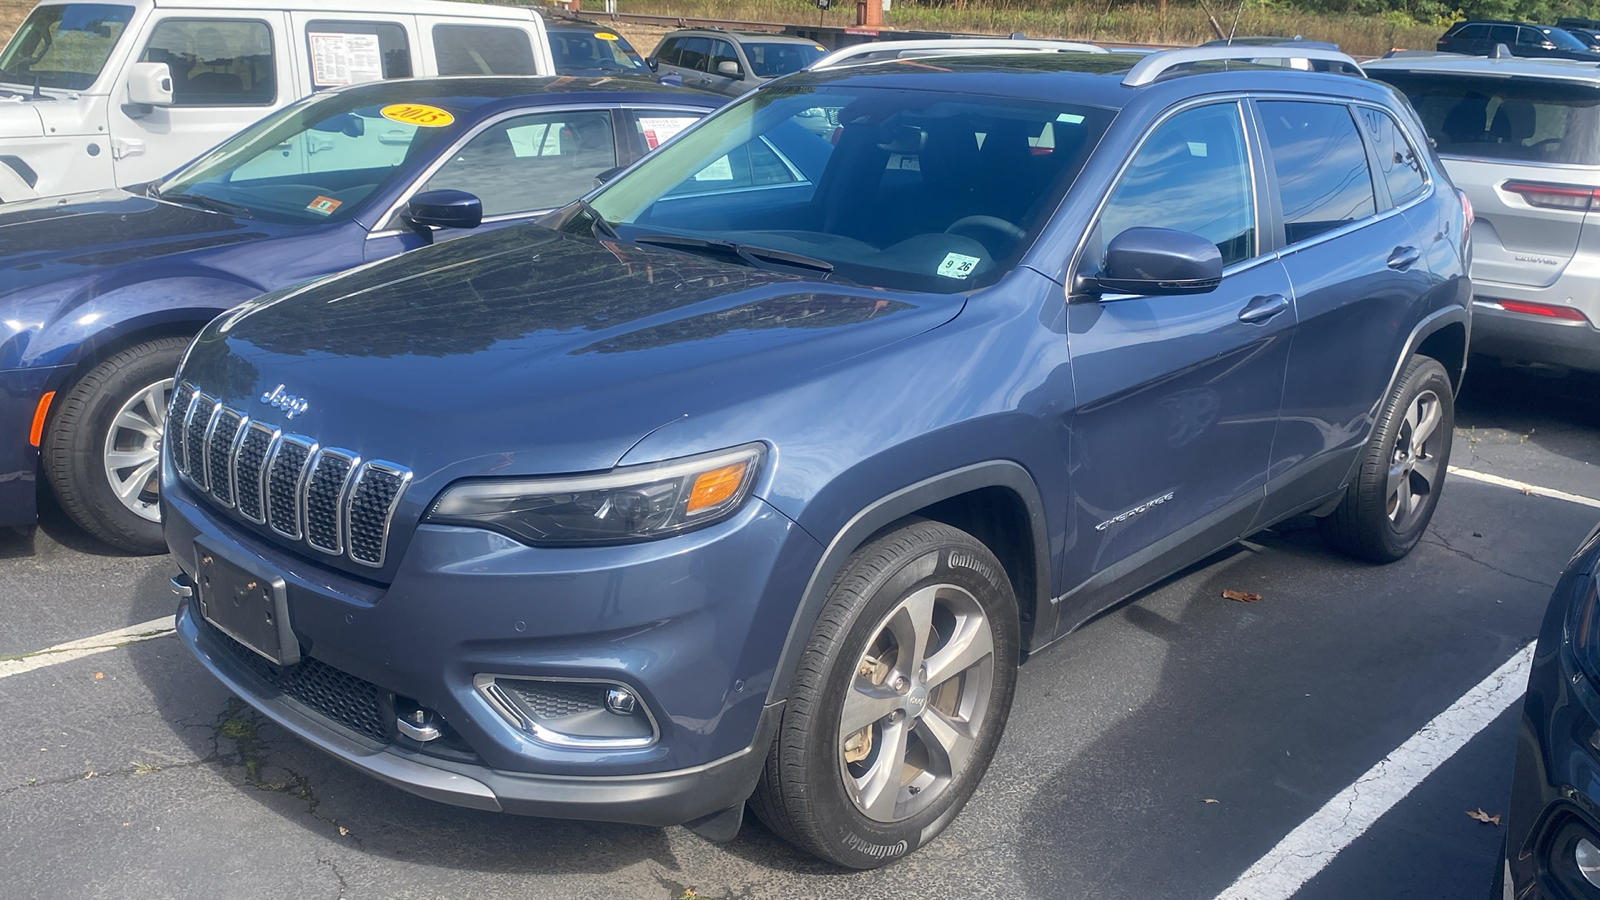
(204, 202)
(598, 222)
(757, 257)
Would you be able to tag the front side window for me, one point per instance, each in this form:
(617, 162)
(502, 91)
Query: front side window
(216, 62)
(769, 60)
(669, 51)
(721, 52)
(482, 50)
(1505, 118)
(354, 52)
(1397, 160)
(530, 163)
(64, 46)
(912, 190)
(1192, 174)
(696, 54)
(1324, 181)
(314, 161)
(1530, 37)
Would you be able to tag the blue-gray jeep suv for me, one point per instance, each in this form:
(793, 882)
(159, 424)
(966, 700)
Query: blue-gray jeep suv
(754, 475)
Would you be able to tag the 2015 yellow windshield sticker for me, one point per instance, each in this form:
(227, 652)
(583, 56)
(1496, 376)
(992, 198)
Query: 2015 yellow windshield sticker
(417, 114)
(605, 35)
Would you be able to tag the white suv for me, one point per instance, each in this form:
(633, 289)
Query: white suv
(96, 95)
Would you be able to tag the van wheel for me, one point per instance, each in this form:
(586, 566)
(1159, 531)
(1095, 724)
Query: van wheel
(899, 701)
(1387, 508)
(102, 451)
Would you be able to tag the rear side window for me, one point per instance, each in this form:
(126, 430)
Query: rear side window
(1323, 177)
(354, 52)
(482, 50)
(1499, 118)
(1397, 159)
(1472, 33)
(216, 62)
(1503, 34)
(1192, 174)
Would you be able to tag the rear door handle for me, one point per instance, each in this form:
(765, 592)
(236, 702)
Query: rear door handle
(1404, 258)
(1260, 309)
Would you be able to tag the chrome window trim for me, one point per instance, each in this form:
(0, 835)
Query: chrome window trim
(299, 487)
(379, 465)
(484, 684)
(304, 497)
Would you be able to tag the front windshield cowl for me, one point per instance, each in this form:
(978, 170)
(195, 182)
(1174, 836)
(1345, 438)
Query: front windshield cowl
(63, 47)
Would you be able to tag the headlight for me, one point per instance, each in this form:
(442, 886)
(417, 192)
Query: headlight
(1583, 627)
(633, 503)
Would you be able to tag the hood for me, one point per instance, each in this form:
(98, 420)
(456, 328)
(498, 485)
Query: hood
(525, 351)
(19, 119)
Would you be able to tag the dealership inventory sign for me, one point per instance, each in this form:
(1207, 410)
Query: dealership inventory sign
(345, 58)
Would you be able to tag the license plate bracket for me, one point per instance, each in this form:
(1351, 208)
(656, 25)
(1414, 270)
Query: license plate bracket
(248, 605)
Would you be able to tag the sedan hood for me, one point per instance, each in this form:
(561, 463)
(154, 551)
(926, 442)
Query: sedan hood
(525, 351)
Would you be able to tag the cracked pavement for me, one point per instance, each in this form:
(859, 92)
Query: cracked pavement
(131, 774)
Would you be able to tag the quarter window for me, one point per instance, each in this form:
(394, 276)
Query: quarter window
(1323, 177)
(215, 62)
(1192, 174)
(532, 162)
(482, 50)
(353, 52)
(1397, 160)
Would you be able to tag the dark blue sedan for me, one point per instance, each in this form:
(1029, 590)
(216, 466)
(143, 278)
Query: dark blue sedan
(101, 292)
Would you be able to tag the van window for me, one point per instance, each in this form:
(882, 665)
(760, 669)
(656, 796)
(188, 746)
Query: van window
(531, 162)
(353, 52)
(64, 46)
(482, 50)
(216, 62)
(1505, 118)
(1324, 180)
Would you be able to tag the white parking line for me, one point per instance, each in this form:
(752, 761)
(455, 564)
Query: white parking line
(1312, 846)
(89, 646)
(1525, 487)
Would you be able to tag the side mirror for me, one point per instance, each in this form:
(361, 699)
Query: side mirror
(347, 124)
(603, 177)
(1160, 261)
(150, 84)
(653, 63)
(444, 209)
(729, 68)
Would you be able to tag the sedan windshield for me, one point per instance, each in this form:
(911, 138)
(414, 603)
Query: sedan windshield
(64, 46)
(910, 190)
(314, 161)
(579, 52)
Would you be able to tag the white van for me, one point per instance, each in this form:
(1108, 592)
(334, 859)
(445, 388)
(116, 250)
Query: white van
(116, 93)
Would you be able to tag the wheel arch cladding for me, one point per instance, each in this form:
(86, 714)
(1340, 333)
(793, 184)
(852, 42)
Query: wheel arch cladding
(1448, 344)
(996, 502)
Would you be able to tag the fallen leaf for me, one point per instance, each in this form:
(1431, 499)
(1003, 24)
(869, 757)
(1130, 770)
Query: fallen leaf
(99, 675)
(1209, 800)
(1527, 492)
(1483, 817)
(1241, 596)
(343, 831)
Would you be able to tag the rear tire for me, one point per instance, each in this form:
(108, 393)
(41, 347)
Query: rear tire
(899, 701)
(1387, 508)
(101, 452)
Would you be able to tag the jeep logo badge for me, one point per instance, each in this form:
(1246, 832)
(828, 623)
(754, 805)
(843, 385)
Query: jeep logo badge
(291, 405)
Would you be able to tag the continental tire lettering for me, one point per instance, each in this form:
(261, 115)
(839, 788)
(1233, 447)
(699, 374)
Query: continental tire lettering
(959, 560)
(875, 851)
(1151, 504)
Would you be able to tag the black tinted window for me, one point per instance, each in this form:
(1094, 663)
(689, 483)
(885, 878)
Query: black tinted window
(1503, 34)
(353, 52)
(1192, 174)
(215, 62)
(1323, 177)
(1473, 33)
(482, 50)
(696, 54)
(668, 51)
(1500, 118)
(1397, 159)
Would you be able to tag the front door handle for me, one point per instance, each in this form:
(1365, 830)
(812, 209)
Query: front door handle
(1260, 309)
(1404, 258)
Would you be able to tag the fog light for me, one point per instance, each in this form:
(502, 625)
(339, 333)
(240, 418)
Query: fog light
(1587, 856)
(621, 701)
(576, 713)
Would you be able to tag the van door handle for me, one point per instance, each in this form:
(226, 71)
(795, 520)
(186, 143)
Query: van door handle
(1404, 258)
(1260, 309)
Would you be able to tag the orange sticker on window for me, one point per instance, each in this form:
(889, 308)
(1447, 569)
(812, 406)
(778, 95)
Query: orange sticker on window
(324, 205)
(605, 35)
(417, 114)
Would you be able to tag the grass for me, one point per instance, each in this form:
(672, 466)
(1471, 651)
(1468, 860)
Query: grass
(1104, 21)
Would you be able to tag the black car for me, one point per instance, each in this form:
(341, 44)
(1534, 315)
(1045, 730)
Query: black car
(584, 48)
(1478, 38)
(1553, 828)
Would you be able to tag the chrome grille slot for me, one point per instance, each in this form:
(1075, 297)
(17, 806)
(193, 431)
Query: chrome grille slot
(250, 467)
(224, 431)
(285, 477)
(194, 439)
(177, 418)
(370, 509)
(324, 499)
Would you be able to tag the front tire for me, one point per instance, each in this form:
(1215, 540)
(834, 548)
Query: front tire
(899, 701)
(102, 451)
(1387, 508)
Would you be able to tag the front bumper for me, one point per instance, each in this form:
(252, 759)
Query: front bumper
(1524, 338)
(693, 625)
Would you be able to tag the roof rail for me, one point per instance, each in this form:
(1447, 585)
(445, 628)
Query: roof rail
(886, 51)
(1159, 63)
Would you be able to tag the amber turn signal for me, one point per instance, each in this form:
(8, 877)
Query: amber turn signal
(713, 488)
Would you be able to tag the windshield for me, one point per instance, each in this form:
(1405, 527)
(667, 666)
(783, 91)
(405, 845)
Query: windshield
(314, 161)
(910, 190)
(586, 50)
(1564, 41)
(769, 60)
(64, 46)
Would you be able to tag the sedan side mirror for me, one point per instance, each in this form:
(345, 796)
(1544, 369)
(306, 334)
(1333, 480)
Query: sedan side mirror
(444, 209)
(729, 68)
(150, 84)
(1160, 261)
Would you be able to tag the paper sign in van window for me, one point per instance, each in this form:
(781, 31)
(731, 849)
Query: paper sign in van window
(660, 129)
(417, 114)
(344, 58)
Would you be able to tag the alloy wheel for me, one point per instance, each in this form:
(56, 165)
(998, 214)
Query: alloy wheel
(1414, 467)
(133, 449)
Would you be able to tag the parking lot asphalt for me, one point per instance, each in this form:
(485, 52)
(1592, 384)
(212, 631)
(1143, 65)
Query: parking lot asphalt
(1158, 752)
